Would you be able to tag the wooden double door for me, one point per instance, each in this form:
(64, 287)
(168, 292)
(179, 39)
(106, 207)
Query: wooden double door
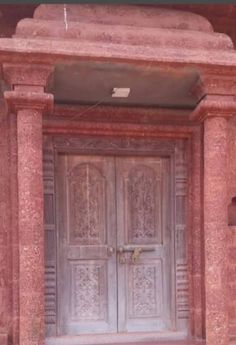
(114, 244)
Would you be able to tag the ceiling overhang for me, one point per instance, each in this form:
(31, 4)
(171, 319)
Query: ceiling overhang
(167, 58)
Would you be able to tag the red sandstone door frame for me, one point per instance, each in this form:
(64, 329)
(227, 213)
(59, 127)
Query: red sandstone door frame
(172, 148)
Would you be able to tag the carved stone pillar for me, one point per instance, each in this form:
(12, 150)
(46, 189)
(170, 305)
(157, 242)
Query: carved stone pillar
(29, 102)
(214, 111)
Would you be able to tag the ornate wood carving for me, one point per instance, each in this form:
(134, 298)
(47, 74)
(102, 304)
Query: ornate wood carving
(142, 218)
(141, 223)
(86, 230)
(114, 145)
(87, 204)
(89, 291)
(141, 189)
(144, 295)
(50, 239)
(182, 285)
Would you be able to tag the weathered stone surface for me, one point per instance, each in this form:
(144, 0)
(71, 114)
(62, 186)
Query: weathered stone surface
(215, 229)
(5, 235)
(132, 25)
(215, 111)
(137, 16)
(187, 38)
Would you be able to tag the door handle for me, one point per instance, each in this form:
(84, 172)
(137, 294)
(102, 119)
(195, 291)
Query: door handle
(136, 251)
(132, 248)
(136, 254)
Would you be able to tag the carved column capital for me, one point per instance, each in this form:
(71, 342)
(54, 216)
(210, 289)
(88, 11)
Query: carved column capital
(27, 74)
(23, 100)
(214, 83)
(28, 83)
(217, 84)
(214, 106)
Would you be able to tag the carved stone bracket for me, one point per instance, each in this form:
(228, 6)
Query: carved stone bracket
(215, 106)
(24, 74)
(28, 82)
(17, 100)
(218, 84)
(214, 84)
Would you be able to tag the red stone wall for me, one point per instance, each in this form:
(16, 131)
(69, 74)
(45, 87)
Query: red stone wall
(232, 281)
(232, 229)
(5, 230)
(232, 158)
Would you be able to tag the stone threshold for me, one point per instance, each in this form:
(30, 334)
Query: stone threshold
(130, 342)
(169, 342)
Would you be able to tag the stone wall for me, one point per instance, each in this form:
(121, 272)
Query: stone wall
(232, 229)
(5, 230)
(232, 282)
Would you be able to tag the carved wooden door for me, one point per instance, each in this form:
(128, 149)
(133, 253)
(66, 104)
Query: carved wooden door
(114, 222)
(144, 288)
(87, 237)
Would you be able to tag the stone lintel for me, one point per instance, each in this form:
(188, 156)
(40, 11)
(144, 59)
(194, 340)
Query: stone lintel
(214, 106)
(23, 100)
(27, 74)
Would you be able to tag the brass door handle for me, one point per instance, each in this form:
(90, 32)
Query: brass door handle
(136, 251)
(133, 248)
(136, 254)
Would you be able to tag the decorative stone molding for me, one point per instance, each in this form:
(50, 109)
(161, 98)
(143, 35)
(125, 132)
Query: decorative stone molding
(214, 84)
(123, 25)
(17, 100)
(119, 14)
(214, 106)
(218, 84)
(93, 32)
(3, 339)
(27, 74)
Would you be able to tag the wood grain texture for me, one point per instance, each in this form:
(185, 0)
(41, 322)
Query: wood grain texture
(145, 201)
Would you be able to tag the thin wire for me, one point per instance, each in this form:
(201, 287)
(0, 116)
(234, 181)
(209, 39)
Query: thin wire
(87, 109)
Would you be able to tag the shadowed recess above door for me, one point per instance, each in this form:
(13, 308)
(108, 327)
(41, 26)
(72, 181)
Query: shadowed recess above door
(93, 82)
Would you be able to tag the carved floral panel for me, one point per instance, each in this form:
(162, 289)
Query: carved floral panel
(87, 205)
(142, 206)
(144, 291)
(88, 291)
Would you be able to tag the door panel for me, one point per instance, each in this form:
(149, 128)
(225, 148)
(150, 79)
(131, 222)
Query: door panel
(87, 239)
(111, 209)
(142, 223)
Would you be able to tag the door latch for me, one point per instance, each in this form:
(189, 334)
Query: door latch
(135, 255)
(122, 259)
